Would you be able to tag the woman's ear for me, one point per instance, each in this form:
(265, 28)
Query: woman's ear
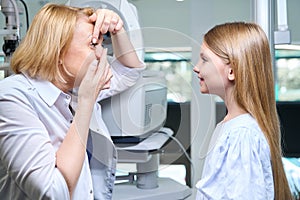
(230, 74)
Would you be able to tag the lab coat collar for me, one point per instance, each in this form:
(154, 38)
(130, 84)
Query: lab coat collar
(46, 90)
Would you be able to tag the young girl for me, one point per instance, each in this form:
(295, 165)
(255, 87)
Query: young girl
(244, 161)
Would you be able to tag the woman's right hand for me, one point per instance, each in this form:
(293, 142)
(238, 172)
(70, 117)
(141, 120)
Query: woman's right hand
(97, 76)
(96, 73)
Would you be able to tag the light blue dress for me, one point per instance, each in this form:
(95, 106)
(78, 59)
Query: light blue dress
(238, 163)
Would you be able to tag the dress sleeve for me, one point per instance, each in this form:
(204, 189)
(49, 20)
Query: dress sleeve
(238, 168)
(26, 152)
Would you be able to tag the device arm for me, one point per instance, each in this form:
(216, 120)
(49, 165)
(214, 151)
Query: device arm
(10, 9)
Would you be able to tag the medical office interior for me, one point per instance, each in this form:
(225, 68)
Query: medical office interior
(164, 160)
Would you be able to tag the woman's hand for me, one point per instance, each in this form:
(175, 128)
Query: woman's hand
(97, 76)
(109, 21)
(105, 21)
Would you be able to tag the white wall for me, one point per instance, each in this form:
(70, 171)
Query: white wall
(293, 7)
(165, 23)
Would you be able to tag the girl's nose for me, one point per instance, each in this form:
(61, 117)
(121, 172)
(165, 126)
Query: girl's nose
(196, 69)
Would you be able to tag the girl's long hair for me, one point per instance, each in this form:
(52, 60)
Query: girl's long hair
(246, 48)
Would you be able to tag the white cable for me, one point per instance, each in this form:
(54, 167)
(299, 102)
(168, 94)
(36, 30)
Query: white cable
(182, 148)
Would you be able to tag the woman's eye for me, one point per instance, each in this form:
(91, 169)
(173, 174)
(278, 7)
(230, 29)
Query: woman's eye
(93, 45)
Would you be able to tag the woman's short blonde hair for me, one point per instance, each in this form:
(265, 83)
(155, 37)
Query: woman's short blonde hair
(40, 53)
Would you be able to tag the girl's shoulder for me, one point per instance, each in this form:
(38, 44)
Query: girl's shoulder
(243, 133)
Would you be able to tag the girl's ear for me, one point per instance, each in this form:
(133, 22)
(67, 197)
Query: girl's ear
(230, 74)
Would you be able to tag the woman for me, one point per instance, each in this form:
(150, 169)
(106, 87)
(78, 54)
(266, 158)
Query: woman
(244, 160)
(42, 145)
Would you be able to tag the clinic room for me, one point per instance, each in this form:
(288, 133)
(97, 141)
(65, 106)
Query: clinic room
(150, 99)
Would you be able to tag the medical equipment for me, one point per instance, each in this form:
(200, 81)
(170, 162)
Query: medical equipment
(144, 183)
(135, 119)
(11, 32)
(139, 111)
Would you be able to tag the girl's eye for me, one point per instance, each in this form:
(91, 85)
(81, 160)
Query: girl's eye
(204, 60)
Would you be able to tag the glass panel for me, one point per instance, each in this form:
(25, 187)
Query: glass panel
(287, 60)
(178, 70)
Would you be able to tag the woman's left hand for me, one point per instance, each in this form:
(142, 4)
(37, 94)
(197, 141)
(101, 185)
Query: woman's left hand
(105, 21)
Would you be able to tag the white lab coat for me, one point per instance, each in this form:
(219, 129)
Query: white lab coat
(34, 119)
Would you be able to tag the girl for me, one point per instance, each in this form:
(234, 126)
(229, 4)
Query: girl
(244, 162)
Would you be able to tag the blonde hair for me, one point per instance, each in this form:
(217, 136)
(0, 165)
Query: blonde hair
(246, 48)
(41, 51)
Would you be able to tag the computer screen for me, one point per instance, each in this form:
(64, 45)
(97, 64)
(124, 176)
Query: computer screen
(139, 111)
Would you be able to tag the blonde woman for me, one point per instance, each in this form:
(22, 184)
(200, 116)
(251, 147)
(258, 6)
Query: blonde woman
(43, 151)
(244, 159)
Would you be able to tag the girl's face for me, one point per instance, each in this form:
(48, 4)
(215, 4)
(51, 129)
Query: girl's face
(81, 48)
(215, 76)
